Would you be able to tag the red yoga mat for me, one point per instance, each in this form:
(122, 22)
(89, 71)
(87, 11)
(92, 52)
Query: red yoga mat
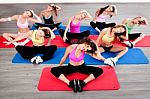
(56, 41)
(107, 81)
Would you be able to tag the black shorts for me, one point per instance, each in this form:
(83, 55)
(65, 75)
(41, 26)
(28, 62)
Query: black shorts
(134, 36)
(107, 49)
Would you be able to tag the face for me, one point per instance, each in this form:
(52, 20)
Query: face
(40, 33)
(49, 8)
(27, 14)
(85, 47)
(136, 21)
(119, 30)
(81, 16)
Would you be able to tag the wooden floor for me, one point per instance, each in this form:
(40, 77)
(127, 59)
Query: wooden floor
(19, 81)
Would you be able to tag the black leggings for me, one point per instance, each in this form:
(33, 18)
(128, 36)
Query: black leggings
(73, 38)
(66, 70)
(101, 25)
(29, 52)
(134, 36)
(51, 26)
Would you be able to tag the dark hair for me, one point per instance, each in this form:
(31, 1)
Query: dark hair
(118, 36)
(103, 9)
(31, 13)
(46, 33)
(88, 41)
(54, 9)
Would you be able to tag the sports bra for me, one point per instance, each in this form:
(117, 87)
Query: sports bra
(75, 28)
(34, 40)
(22, 25)
(101, 18)
(48, 20)
(129, 27)
(105, 38)
(73, 57)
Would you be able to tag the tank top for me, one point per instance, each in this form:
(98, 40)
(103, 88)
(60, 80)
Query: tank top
(73, 57)
(22, 25)
(34, 40)
(105, 38)
(101, 18)
(75, 28)
(129, 27)
(48, 20)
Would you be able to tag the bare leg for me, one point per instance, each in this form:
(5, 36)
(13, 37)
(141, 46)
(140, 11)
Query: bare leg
(89, 78)
(64, 79)
(122, 50)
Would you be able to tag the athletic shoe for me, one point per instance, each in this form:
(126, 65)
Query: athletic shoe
(108, 61)
(80, 85)
(129, 44)
(39, 60)
(33, 60)
(73, 85)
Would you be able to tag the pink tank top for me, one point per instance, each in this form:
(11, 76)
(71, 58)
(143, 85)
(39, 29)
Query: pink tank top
(101, 18)
(75, 28)
(24, 25)
(73, 58)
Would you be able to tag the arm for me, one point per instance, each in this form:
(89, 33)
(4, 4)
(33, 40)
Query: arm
(37, 20)
(96, 14)
(15, 17)
(124, 21)
(65, 55)
(28, 34)
(98, 41)
(97, 54)
(66, 30)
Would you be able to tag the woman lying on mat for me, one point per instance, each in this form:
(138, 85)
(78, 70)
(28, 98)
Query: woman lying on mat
(23, 26)
(37, 37)
(99, 21)
(75, 35)
(135, 37)
(76, 53)
(107, 37)
(47, 16)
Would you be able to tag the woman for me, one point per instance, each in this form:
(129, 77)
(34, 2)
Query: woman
(134, 37)
(37, 37)
(99, 21)
(76, 53)
(47, 16)
(107, 37)
(23, 26)
(75, 35)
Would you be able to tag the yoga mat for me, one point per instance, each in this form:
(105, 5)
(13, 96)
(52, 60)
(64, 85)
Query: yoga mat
(145, 42)
(82, 28)
(107, 81)
(133, 56)
(56, 41)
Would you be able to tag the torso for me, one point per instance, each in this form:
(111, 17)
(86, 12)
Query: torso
(37, 42)
(75, 27)
(75, 58)
(48, 18)
(101, 18)
(129, 25)
(107, 39)
(23, 27)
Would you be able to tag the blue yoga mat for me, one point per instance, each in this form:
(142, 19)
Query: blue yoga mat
(133, 56)
(82, 28)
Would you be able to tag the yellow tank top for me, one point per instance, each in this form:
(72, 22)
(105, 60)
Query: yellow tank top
(34, 40)
(105, 38)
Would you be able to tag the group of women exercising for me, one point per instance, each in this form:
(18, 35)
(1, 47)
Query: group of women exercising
(80, 43)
